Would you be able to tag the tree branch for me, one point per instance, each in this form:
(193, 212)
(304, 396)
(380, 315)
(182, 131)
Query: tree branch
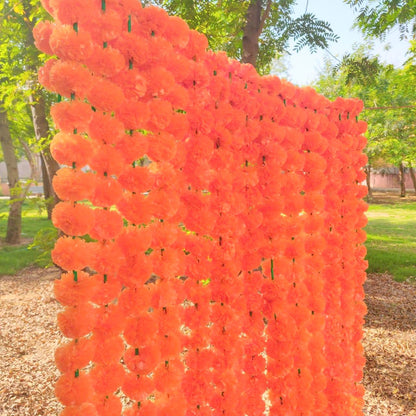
(265, 16)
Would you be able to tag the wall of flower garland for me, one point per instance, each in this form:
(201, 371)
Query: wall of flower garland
(211, 220)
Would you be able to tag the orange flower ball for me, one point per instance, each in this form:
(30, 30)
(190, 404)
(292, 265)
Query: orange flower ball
(73, 219)
(104, 128)
(140, 329)
(70, 45)
(138, 388)
(132, 147)
(73, 184)
(106, 379)
(85, 409)
(68, 78)
(146, 409)
(71, 253)
(110, 320)
(44, 71)
(108, 405)
(105, 95)
(142, 360)
(42, 33)
(132, 82)
(71, 390)
(135, 208)
(107, 192)
(68, 148)
(162, 147)
(74, 355)
(108, 289)
(106, 224)
(107, 62)
(107, 26)
(106, 160)
(70, 290)
(77, 321)
(71, 115)
(107, 350)
(133, 114)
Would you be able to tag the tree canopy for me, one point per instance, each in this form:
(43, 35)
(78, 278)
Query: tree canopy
(271, 23)
(376, 18)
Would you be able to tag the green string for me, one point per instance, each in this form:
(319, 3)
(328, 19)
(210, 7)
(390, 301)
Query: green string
(272, 269)
(103, 5)
(75, 276)
(75, 26)
(129, 24)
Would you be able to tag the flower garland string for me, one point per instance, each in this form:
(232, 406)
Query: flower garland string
(223, 268)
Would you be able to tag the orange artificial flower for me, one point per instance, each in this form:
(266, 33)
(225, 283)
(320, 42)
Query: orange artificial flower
(107, 378)
(75, 288)
(85, 409)
(107, 350)
(140, 329)
(41, 34)
(138, 388)
(71, 253)
(74, 390)
(142, 360)
(69, 149)
(73, 219)
(70, 45)
(105, 129)
(71, 115)
(107, 192)
(106, 224)
(77, 321)
(74, 355)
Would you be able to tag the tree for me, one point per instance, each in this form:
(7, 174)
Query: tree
(390, 106)
(19, 89)
(252, 31)
(376, 18)
(14, 220)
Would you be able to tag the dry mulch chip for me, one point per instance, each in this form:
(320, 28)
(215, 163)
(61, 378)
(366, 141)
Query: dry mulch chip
(29, 336)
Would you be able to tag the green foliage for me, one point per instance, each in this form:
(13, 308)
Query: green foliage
(223, 21)
(36, 228)
(390, 105)
(43, 244)
(391, 240)
(376, 18)
(15, 258)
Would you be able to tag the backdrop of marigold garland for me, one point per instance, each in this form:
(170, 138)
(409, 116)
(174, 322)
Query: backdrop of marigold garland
(224, 266)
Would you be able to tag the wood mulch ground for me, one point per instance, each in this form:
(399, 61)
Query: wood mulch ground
(29, 336)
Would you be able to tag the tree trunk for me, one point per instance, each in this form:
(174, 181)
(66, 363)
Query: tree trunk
(402, 180)
(368, 181)
(412, 175)
(255, 20)
(14, 220)
(49, 165)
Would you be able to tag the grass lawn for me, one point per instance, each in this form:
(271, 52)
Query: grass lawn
(14, 258)
(391, 238)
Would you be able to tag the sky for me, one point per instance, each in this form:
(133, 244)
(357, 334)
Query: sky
(304, 67)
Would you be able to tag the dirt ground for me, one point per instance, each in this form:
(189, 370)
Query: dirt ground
(29, 336)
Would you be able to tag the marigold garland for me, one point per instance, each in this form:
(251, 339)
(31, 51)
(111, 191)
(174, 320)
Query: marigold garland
(223, 268)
